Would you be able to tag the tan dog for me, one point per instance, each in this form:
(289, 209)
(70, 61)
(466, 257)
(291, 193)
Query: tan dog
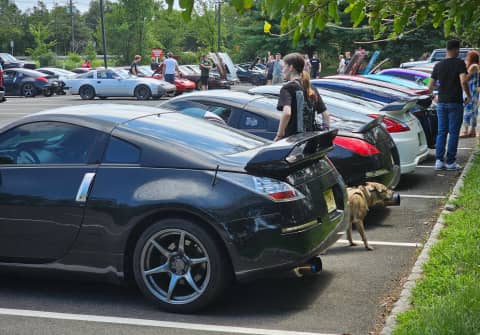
(361, 199)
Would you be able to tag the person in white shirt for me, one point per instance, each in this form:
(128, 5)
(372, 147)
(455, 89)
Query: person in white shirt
(170, 67)
(341, 65)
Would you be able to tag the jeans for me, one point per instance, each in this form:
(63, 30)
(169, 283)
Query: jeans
(450, 117)
(169, 77)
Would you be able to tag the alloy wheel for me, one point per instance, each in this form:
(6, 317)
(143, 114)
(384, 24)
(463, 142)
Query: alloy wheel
(28, 90)
(175, 266)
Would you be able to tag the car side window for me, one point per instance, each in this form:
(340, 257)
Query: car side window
(121, 152)
(48, 143)
(223, 111)
(102, 75)
(10, 75)
(252, 121)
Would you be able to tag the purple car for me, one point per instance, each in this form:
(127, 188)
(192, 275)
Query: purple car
(407, 74)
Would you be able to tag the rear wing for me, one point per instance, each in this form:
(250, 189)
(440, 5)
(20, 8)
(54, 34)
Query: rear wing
(372, 124)
(399, 107)
(281, 158)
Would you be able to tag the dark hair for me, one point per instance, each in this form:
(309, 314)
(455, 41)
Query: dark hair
(453, 44)
(296, 60)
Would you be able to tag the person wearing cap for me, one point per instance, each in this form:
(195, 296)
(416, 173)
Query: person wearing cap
(170, 67)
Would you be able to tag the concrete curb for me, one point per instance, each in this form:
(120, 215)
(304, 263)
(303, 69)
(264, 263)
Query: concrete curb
(403, 303)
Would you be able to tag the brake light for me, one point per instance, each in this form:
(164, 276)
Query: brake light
(392, 126)
(356, 145)
(277, 190)
(45, 80)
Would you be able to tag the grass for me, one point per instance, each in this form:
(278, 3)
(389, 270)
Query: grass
(447, 299)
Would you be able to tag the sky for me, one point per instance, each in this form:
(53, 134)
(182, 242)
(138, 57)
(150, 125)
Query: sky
(81, 5)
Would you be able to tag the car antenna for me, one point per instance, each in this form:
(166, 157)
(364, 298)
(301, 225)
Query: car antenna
(215, 176)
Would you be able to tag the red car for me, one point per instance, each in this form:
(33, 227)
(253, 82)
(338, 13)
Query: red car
(181, 84)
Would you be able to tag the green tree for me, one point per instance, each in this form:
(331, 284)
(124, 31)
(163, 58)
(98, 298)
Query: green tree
(42, 51)
(11, 26)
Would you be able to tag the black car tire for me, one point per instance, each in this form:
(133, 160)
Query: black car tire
(28, 90)
(102, 98)
(86, 92)
(142, 92)
(158, 247)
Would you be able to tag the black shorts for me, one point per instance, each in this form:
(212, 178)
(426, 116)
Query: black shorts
(204, 81)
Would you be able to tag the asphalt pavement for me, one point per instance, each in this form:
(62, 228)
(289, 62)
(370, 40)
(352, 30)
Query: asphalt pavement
(350, 296)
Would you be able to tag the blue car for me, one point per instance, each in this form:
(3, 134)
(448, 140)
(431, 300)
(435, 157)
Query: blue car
(396, 81)
(423, 110)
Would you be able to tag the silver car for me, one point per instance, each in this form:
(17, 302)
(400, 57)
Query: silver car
(114, 83)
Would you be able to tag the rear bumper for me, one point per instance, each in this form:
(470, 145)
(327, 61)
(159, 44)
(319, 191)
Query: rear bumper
(291, 250)
(412, 150)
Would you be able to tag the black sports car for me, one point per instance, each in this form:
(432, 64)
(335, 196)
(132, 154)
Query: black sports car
(362, 151)
(29, 83)
(8, 61)
(178, 204)
(251, 76)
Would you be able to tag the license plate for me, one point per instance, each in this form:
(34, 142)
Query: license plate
(330, 200)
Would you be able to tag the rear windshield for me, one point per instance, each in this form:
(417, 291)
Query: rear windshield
(185, 131)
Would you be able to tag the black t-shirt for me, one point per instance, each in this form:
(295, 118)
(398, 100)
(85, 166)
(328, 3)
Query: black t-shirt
(205, 72)
(315, 64)
(134, 66)
(288, 98)
(447, 72)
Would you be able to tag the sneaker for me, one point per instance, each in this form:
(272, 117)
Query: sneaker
(439, 165)
(453, 167)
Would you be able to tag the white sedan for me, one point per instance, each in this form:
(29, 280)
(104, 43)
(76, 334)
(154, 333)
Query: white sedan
(403, 126)
(112, 83)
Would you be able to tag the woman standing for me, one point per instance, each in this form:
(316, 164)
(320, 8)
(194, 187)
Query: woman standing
(471, 109)
(287, 102)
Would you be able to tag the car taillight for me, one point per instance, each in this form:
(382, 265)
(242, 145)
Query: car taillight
(356, 145)
(276, 190)
(392, 126)
(45, 80)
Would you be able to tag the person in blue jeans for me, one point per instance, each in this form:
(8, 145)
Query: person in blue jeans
(452, 75)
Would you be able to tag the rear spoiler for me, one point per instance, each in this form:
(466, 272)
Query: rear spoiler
(281, 158)
(372, 124)
(399, 107)
(425, 101)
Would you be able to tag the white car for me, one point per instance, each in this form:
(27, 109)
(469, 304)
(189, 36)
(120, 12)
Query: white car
(403, 126)
(105, 83)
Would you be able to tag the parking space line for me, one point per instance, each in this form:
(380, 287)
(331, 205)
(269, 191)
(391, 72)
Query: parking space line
(426, 166)
(392, 244)
(420, 196)
(150, 323)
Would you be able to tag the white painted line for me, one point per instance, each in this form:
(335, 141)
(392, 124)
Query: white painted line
(150, 323)
(464, 148)
(419, 196)
(392, 244)
(426, 166)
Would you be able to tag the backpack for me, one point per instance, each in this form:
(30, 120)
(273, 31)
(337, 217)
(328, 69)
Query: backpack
(305, 112)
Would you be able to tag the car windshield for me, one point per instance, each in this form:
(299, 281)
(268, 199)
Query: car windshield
(8, 57)
(124, 74)
(146, 70)
(189, 132)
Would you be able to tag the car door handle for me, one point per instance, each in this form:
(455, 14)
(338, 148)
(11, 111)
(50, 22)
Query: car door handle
(84, 188)
(99, 82)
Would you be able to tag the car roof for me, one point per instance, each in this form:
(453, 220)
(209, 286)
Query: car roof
(102, 117)
(237, 98)
(405, 71)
